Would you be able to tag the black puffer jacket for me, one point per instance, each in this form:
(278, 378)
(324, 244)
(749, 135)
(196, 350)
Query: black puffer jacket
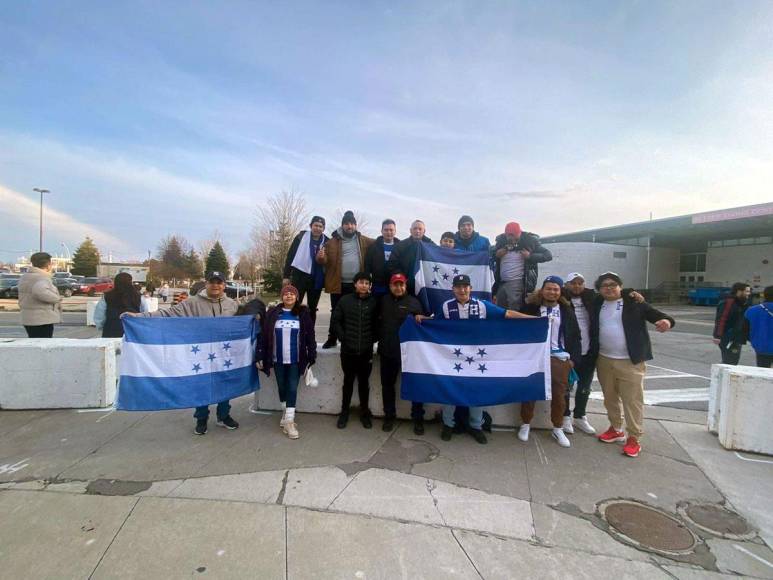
(375, 265)
(403, 259)
(392, 313)
(355, 323)
(538, 254)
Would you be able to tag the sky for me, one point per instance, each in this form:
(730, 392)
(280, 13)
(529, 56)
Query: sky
(146, 119)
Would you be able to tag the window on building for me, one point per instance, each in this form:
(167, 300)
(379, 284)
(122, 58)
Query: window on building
(621, 255)
(692, 262)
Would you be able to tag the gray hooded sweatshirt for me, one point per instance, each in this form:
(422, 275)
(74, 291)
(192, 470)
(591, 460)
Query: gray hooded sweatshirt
(198, 305)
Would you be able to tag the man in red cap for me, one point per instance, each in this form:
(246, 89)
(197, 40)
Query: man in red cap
(517, 254)
(395, 307)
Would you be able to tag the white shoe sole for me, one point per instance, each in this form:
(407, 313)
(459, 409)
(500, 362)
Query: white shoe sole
(589, 431)
(564, 444)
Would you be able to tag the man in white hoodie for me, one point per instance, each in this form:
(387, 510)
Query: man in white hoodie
(39, 300)
(211, 301)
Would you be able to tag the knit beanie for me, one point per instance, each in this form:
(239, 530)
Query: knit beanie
(290, 288)
(348, 218)
(465, 219)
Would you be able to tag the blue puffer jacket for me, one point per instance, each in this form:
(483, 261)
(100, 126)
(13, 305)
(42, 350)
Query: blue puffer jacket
(476, 243)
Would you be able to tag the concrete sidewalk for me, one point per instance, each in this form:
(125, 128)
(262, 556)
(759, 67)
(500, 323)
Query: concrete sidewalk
(105, 495)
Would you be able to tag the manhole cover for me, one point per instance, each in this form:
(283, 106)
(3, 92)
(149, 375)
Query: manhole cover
(649, 528)
(718, 520)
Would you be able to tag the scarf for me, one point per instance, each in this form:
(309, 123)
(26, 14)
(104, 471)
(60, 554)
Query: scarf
(303, 259)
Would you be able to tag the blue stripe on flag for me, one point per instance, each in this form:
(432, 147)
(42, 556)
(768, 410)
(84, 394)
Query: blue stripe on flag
(155, 394)
(476, 332)
(431, 253)
(481, 392)
(178, 330)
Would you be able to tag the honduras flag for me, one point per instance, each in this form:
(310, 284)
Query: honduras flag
(435, 270)
(177, 363)
(475, 363)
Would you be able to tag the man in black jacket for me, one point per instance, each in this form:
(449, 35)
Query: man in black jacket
(354, 322)
(516, 255)
(301, 267)
(565, 349)
(403, 257)
(377, 257)
(620, 339)
(728, 324)
(393, 310)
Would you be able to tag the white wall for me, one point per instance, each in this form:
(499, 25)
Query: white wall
(727, 265)
(591, 259)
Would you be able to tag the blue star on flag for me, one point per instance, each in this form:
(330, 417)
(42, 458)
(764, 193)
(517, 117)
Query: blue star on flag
(227, 363)
(195, 348)
(435, 282)
(445, 276)
(457, 352)
(212, 356)
(470, 360)
(226, 346)
(482, 368)
(435, 268)
(458, 367)
(196, 367)
(456, 270)
(482, 352)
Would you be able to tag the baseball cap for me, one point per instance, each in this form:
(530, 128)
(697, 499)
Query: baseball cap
(574, 275)
(552, 279)
(461, 280)
(215, 276)
(398, 278)
(608, 276)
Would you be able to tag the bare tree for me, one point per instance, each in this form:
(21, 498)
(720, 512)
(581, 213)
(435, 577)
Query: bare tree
(206, 245)
(362, 220)
(276, 224)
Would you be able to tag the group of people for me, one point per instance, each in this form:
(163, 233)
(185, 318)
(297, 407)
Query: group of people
(372, 291)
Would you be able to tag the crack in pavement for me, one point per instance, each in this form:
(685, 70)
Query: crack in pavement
(281, 496)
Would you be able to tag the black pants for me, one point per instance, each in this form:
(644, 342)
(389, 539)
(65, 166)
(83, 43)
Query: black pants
(390, 370)
(765, 360)
(334, 298)
(585, 372)
(417, 411)
(312, 300)
(731, 354)
(356, 366)
(40, 331)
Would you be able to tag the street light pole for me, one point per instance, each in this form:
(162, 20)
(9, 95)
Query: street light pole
(41, 192)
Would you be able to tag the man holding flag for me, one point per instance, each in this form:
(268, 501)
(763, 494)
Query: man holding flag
(464, 307)
(211, 301)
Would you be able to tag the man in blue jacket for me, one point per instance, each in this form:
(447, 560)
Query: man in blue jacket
(759, 328)
(467, 239)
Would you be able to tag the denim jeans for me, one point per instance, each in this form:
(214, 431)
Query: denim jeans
(476, 416)
(223, 410)
(287, 377)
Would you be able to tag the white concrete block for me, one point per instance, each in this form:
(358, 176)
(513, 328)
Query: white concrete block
(718, 376)
(745, 404)
(57, 373)
(326, 398)
(91, 306)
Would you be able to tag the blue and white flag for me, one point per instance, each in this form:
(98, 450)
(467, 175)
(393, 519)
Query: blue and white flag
(475, 362)
(177, 363)
(436, 267)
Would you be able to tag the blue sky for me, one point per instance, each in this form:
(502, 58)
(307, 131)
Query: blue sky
(148, 118)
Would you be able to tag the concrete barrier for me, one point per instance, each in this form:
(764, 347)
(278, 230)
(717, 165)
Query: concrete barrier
(326, 398)
(744, 400)
(718, 376)
(57, 373)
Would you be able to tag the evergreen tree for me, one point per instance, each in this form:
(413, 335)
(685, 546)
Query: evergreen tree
(85, 259)
(192, 265)
(172, 258)
(217, 261)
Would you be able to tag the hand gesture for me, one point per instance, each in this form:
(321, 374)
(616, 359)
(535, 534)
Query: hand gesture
(525, 254)
(663, 325)
(259, 365)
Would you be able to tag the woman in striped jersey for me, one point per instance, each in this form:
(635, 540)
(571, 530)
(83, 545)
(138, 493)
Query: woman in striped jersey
(290, 347)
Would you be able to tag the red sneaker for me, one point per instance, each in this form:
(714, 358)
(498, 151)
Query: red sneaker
(631, 447)
(612, 435)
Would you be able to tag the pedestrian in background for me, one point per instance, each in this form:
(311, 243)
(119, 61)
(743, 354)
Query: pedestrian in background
(759, 329)
(124, 297)
(39, 300)
(729, 321)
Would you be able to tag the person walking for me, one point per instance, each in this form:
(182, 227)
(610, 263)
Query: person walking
(759, 329)
(290, 348)
(620, 340)
(124, 297)
(377, 257)
(39, 301)
(403, 257)
(301, 268)
(729, 321)
(565, 349)
(164, 292)
(211, 301)
(354, 321)
(343, 256)
(394, 308)
(467, 239)
(516, 256)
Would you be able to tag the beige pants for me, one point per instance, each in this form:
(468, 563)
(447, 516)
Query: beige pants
(621, 380)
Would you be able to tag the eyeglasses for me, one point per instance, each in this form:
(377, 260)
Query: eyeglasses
(610, 285)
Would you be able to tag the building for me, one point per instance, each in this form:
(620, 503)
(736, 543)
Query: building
(675, 254)
(138, 272)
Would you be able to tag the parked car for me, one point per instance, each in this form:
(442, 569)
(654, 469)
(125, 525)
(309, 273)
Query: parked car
(93, 286)
(66, 286)
(8, 281)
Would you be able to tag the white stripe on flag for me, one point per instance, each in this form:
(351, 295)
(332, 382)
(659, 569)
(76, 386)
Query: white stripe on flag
(183, 360)
(440, 276)
(499, 360)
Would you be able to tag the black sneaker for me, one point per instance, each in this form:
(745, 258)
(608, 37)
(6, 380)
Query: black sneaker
(418, 426)
(366, 422)
(330, 342)
(479, 436)
(446, 433)
(343, 419)
(201, 427)
(389, 424)
(228, 423)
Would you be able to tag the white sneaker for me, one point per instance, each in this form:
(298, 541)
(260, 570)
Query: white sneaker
(567, 425)
(291, 430)
(523, 432)
(283, 422)
(561, 439)
(584, 425)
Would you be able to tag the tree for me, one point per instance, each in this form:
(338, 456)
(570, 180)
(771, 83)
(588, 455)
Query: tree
(177, 259)
(363, 225)
(85, 259)
(248, 265)
(276, 224)
(192, 264)
(217, 261)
